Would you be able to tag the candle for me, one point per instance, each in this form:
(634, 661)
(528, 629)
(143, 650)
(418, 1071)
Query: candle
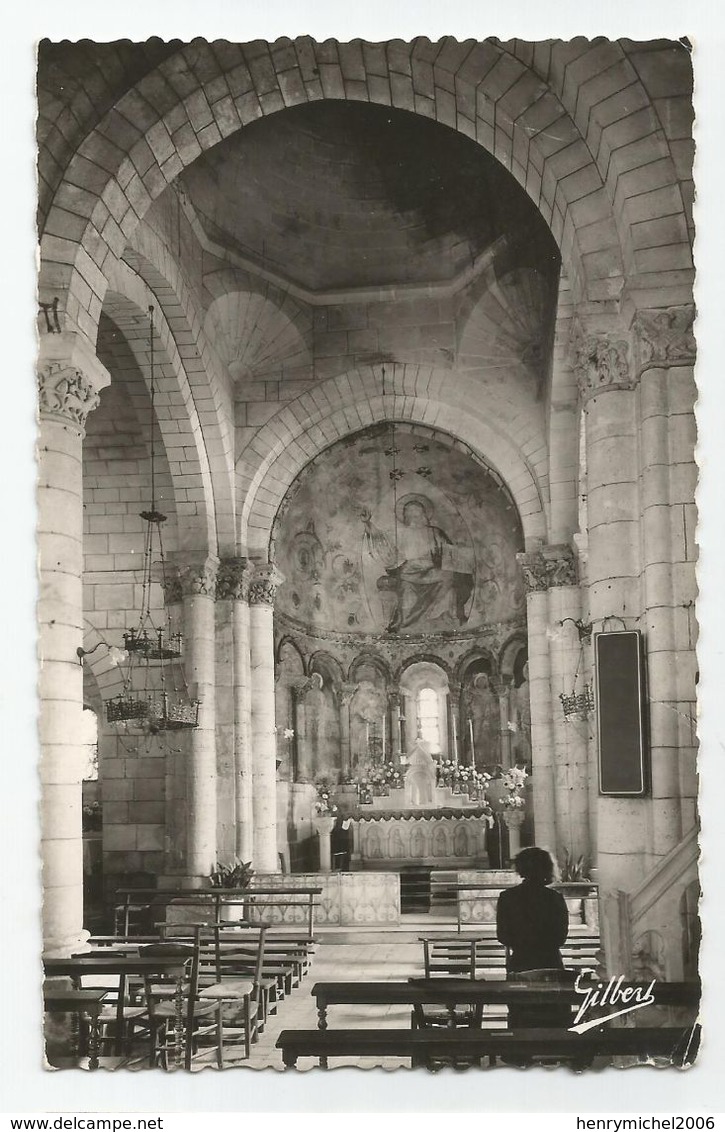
(367, 734)
(455, 740)
(470, 731)
(383, 734)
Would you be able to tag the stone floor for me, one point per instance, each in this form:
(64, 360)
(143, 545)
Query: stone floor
(356, 954)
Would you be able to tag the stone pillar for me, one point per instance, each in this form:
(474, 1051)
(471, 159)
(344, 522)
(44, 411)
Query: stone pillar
(607, 386)
(395, 700)
(233, 585)
(453, 723)
(344, 694)
(69, 378)
(198, 582)
(542, 742)
(262, 591)
(502, 690)
(569, 672)
(665, 351)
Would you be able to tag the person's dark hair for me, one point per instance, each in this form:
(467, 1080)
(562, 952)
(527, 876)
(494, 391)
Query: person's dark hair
(535, 864)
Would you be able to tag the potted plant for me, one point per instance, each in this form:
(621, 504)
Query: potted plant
(234, 874)
(574, 873)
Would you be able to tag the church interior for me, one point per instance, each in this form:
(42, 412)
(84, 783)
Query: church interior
(366, 504)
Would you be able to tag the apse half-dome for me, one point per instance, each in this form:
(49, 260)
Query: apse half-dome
(398, 531)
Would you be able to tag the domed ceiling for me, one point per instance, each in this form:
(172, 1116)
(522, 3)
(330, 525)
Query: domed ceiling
(338, 195)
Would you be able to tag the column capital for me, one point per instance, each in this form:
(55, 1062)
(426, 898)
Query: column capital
(233, 578)
(664, 338)
(601, 360)
(171, 585)
(196, 577)
(263, 584)
(301, 685)
(69, 379)
(548, 567)
(502, 684)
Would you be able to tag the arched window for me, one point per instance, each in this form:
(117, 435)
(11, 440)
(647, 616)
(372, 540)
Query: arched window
(428, 711)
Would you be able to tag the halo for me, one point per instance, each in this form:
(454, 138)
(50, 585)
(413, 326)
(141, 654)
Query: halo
(413, 497)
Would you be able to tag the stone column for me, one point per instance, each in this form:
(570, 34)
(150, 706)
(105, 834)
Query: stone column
(665, 351)
(453, 723)
(233, 585)
(607, 386)
(502, 689)
(262, 591)
(542, 741)
(301, 687)
(569, 672)
(395, 700)
(344, 694)
(198, 582)
(69, 378)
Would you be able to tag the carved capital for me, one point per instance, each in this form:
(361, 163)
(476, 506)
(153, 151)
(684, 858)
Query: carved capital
(66, 395)
(345, 693)
(561, 568)
(69, 378)
(533, 567)
(665, 337)
(198, 578)
(304, 684)
(548, 567)
(171, 585)
(601, 362)
(263, 585)
(233, 578)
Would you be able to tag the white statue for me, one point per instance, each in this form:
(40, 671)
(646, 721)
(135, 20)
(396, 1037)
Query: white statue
(420, 780)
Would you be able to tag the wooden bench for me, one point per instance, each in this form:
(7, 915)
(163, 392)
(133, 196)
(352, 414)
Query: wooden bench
(499, 995)
(677, 1044)
(468, 955)
(451, 992)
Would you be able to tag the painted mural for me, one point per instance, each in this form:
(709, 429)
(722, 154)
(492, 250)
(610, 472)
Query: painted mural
(395, 532)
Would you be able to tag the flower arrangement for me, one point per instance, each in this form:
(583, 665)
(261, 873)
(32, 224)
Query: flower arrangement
(235, 874)
(513, 781)
(324, 804)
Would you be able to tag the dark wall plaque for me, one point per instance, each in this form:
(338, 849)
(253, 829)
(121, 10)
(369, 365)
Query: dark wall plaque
(620, 698)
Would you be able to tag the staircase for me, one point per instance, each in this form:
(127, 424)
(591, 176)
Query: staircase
(653, 931)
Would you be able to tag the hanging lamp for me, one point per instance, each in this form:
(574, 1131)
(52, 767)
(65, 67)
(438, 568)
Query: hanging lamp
(154, 696)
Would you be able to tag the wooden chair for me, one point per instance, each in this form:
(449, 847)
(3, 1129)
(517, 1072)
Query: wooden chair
(445, 960)
(231, 976)
(201, 1018)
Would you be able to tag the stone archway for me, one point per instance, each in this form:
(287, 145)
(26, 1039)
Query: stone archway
(505, 96)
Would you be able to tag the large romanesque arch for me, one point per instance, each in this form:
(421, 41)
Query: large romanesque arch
(554, 114)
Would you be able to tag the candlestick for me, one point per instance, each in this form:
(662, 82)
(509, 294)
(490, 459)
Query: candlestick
(455, 740)
(383, 732)
(473, 752)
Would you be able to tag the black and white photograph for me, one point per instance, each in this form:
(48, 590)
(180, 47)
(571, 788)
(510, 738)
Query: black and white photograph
(368, 626)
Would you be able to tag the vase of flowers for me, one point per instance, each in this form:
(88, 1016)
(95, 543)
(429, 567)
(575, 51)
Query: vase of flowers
(324, 816)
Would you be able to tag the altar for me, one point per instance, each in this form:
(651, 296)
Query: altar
(420, 823)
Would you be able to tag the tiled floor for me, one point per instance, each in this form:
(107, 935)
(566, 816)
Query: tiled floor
(356, 954)
(340, 957)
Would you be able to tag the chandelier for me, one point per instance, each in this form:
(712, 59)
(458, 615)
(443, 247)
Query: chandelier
(155, 697)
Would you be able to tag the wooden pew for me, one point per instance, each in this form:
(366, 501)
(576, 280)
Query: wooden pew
(677, 1044)
(452, 992)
